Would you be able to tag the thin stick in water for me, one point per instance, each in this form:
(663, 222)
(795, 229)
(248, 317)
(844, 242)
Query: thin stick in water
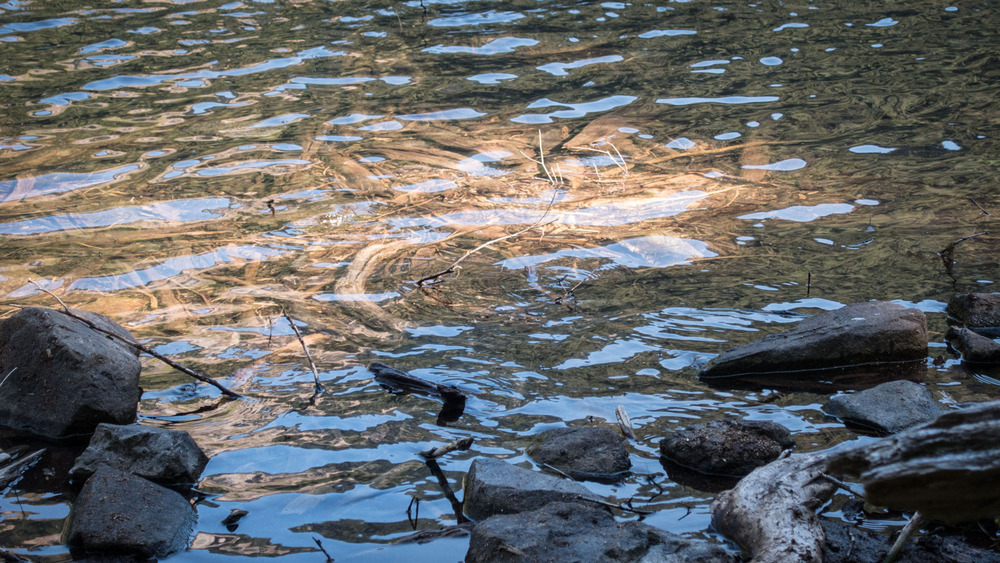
(143, 349)
(312, 365)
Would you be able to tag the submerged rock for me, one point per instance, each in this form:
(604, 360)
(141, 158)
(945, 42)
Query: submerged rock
(119, 513)
(168, 457)
(584, 452)
(495, 487)
(862, 333)
(974, 347)
(978, 311)
(68, 378)
(889, 407)
(727, 447)
(575, 532)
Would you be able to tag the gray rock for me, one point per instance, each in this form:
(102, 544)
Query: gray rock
(978, 311)
(861, 333)
(846, 543)
(561, 532)
(168, 457)
(727, 447)
(69, 377)
(495, 487)
(119, 513)
(584, 452)
(890, 407)
(974, 347)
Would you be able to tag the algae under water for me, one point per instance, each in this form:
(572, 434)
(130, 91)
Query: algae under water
(714, 171)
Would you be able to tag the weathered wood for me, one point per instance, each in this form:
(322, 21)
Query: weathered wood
(948, 469)
(10, 470)
(770, 513)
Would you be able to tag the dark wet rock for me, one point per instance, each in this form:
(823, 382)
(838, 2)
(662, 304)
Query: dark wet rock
(120, 513)
(69, 377)
(168, 457)
(495, 487)
(846, 543)
(861, 333)
(975, 348)
(726, 447)
(978, 311)
(697, 480)
(576, 532)
(584, 452)
(889, 407)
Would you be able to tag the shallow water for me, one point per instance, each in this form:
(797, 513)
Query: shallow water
(713, 172)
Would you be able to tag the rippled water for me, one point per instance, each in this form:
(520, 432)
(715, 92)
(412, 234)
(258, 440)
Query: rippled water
(713, 172)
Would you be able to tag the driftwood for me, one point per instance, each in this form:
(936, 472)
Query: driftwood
(770, 513)
(461, 444)
(398, 381)
(947, 469)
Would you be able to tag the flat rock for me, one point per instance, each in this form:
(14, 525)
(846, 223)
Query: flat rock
(561, 532)
(584, 452)
(978, 311)
(974, 347)
(862, 333)
(119, 513)
(168, 457)
(69, 377)
(889, 407)
(726, 447)
(495, 487)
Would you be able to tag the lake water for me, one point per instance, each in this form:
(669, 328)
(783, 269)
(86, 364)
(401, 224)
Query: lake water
(713, 172)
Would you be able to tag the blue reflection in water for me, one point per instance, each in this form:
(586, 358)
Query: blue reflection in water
(492, 77)
(576, 110)
(102, 46)
(12, 190)
(182, 211)
(783, 165)
(444, 115)
(36, 25)
(666, 33)
(249, 166)
(476, 19)
(801, 213)
(719, 100)
(175, 267)
(643, 252)
(561, 69)
(495, 47)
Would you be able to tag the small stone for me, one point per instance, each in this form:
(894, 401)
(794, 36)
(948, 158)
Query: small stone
(974, 347)
(168, 457)
(727, 447)
(584, 452)
(889, 407)
(119, 513)
(577, 532)
(494, 487)
(978, 311)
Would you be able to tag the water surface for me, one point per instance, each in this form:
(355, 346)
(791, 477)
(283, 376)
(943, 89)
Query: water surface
(713, 172)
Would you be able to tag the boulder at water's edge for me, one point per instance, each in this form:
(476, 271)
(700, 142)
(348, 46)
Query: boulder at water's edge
(63, 377)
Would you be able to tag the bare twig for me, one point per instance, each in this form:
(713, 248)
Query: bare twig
(461, 444)
(612, 505)
(904, 535)
(312, 365)
(144, 349)
(10, 373)
(424, 536)
(486, 244)
(11, 471)
(981, 207)
(840, 484)
(624, 422)
(319, 544)
(446, 489)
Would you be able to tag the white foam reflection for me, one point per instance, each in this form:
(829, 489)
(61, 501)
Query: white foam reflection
(801, 213)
